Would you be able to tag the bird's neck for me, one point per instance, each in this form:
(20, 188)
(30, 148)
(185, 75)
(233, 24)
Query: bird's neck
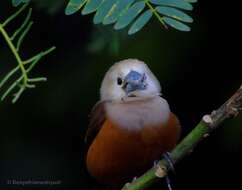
(135, 115)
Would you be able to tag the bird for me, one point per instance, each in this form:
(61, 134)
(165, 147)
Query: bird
(130, 127)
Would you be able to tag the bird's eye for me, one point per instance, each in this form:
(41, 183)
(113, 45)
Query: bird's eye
(119, 81)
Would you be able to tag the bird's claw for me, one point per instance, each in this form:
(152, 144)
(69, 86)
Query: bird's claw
(169, 160)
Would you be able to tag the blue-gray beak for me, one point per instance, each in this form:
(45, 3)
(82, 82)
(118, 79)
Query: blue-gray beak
(134, 81)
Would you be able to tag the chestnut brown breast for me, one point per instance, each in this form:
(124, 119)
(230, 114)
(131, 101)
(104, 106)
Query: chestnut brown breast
(116, 155)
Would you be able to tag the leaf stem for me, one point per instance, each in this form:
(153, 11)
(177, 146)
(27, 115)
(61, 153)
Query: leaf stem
(11, 73)
(11, 88)
(34, 62)
(21, 38)
(43, 53)
(13, 16)
(18, 94)
(15, 53)
(23, 25)
(39, 79)
(155, 13)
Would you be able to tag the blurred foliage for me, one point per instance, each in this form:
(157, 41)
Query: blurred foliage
(106, 38)
(231, 135)
(18, 2)
(50, 6)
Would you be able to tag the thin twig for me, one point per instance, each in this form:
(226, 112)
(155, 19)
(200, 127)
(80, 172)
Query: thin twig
(18, 94)
(21, 38)
(38, 79)
(13, 16)
(8, 76)
(23, 25)
(208, 123)
(43, 53)
(11, 88)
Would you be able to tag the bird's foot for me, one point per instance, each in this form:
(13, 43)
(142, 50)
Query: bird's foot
(169, 160)
(168, 182)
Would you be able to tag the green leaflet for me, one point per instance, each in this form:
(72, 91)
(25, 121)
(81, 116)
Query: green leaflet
(123, 12)
(91, 6)
(112, 16)
(140, 22)
(18, 2)
(174, 13)
(103, 10)
(191, 1)
(129, 15)
(176, 24)
(73, 6)
(182, 4)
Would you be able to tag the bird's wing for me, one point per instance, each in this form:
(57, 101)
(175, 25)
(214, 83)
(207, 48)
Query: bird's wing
(97, 118)
(177, 125)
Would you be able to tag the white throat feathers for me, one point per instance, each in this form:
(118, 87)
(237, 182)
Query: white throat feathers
(136, 115)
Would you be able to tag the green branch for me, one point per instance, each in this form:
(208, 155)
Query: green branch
(202, 130)
(23, 81)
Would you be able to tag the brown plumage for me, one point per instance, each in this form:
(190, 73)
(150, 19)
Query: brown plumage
(117, 155)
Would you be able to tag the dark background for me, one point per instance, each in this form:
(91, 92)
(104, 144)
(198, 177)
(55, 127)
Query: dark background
(41, 136)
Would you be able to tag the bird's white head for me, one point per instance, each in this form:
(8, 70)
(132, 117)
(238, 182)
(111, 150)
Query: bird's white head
(129, 80)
